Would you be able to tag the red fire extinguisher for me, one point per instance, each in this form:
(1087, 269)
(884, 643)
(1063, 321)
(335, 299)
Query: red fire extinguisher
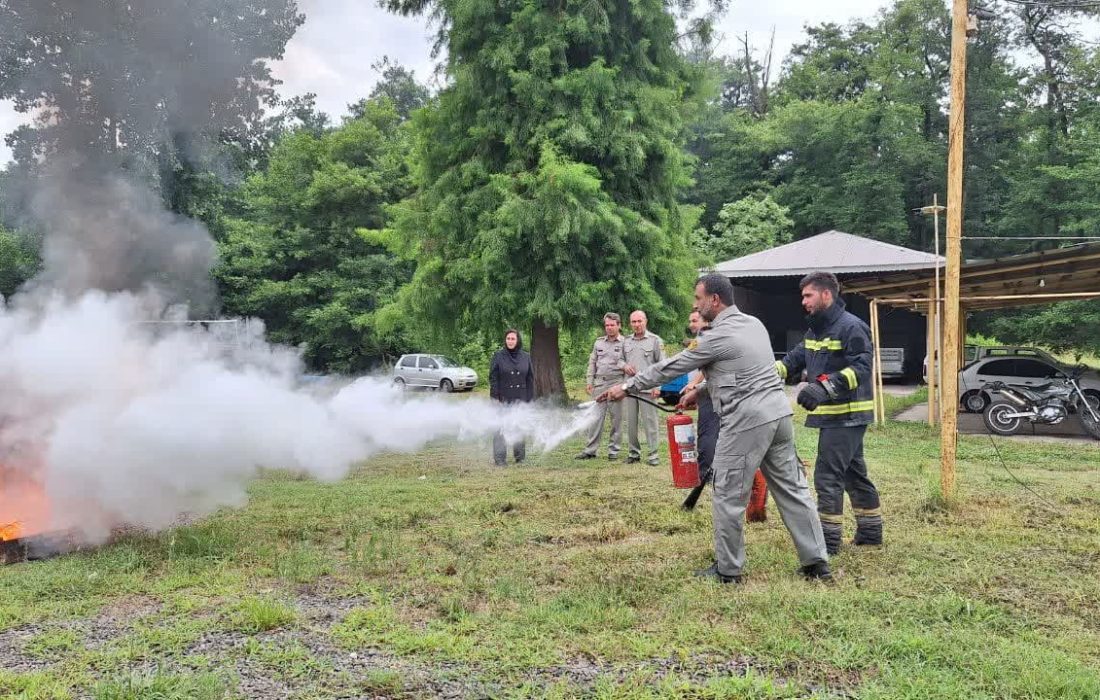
(683, 451)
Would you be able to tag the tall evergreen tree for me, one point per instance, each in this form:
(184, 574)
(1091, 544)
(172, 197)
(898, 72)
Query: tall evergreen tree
(550, 170)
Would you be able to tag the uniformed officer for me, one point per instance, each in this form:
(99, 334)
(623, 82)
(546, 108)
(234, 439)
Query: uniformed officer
(836, 354)
(643, 348)
(756, 430)
(707, 430)
(605, 370)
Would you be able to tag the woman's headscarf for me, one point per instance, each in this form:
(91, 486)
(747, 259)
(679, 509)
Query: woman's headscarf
(519, 342)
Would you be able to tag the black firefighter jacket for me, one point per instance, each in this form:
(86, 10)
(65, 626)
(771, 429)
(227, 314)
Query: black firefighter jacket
(511, 377)
(837, 350)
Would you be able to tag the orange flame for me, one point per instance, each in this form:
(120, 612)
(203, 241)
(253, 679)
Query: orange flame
(24, 508)
(10, 531)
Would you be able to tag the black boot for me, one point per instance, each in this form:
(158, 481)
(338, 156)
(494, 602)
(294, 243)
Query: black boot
(833, 533)
(712, 572)
(818, 571)
(868, 530)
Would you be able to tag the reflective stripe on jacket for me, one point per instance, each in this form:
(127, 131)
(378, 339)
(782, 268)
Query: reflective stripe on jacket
(837, 345)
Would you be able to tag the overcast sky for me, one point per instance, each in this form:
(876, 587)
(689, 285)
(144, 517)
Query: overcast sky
(332, 52)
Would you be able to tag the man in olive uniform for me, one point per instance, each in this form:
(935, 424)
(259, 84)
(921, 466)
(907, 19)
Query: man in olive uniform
(605, 370)
(643, 348)
(756, 429)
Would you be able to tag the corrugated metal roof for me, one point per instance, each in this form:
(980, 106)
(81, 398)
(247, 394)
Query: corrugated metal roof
(834, 251)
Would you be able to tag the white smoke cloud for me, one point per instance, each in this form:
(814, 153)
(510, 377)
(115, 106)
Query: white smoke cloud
(109, 415)
(126, 422)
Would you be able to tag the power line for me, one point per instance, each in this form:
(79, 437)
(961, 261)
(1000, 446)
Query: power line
(1030, 238)
(1069, 5)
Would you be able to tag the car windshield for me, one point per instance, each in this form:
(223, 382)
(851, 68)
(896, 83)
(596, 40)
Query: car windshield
(444, 361)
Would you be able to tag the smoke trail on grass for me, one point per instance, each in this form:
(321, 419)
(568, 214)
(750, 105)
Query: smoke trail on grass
(125, 422)
(109, 415)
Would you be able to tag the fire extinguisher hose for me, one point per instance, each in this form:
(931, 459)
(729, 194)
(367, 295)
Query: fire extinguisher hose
(666, 409)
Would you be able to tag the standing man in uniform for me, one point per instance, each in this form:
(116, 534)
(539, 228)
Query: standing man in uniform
(643, 349)
(707, 431)
(756, 429)
(605, 370)
(836, 354)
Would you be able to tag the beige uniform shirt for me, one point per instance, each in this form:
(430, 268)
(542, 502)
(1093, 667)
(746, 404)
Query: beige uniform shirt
(605, 363)
(645, 351)
(735, 354)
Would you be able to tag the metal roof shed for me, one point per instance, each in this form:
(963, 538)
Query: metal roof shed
(766, 286)
(1043, 277)
(838, 252)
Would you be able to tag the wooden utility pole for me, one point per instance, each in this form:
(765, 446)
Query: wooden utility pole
(949, 388)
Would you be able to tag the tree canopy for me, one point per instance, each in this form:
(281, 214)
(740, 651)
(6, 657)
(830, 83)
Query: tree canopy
(301, 255)
(549, 171)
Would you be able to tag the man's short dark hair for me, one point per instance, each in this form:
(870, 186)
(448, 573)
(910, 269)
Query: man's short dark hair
(612, 316)
(717, 284)
(822, 282)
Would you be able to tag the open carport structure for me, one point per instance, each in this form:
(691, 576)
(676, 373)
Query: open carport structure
(1019, 280)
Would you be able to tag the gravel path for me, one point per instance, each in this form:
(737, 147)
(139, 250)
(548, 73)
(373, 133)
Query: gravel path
(338, 672)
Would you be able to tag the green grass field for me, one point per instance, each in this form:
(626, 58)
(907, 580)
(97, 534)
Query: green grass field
(438, 575)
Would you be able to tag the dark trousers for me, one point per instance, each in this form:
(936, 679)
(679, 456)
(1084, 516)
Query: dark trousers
(707, 437)
(840, 468)
(500, 446)
(500, 449)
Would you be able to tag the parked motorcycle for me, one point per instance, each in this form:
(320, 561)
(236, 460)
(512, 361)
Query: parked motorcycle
(1046, 404)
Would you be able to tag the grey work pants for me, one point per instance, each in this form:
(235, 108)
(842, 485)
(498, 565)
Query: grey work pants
(615, 409)
(737, 457)
(648, 414)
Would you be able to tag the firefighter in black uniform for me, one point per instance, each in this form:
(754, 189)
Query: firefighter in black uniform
(836, 354)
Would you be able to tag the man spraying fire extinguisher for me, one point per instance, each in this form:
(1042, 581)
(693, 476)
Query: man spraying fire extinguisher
(756, 429)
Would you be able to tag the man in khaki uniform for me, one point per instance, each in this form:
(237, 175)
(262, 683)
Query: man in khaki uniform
(643, 349)
(605, 370)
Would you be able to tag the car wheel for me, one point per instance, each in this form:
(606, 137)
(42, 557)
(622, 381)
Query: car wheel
(975, 401)
(447, 386)
(399, 383)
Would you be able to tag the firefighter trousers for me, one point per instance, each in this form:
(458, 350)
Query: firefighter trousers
(707, 438)
(840, 468)
(769, 447)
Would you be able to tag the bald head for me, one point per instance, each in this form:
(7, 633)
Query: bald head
(638, 322)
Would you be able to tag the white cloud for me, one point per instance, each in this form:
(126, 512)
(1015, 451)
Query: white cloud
(789, 18)
(332, 52)
(9, 121)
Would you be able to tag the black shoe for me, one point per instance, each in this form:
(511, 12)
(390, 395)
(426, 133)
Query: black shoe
(712, 573)
(633, 460)
(612, 458)
(818, 571)
(585, 455)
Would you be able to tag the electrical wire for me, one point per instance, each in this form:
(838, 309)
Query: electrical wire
(1064, 5)
(1030, 238)
(1004, 465)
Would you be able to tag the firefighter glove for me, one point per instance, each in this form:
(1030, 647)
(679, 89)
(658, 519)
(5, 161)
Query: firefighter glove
(812, 396)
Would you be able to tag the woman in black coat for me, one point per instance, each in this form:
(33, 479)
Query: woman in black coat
(511, 380)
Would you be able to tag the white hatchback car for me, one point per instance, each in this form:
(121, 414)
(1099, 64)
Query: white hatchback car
(1032, 368)
(433, 372)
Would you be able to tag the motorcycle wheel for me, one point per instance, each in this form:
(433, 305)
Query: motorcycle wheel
(1092, 427)
(994, 419)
